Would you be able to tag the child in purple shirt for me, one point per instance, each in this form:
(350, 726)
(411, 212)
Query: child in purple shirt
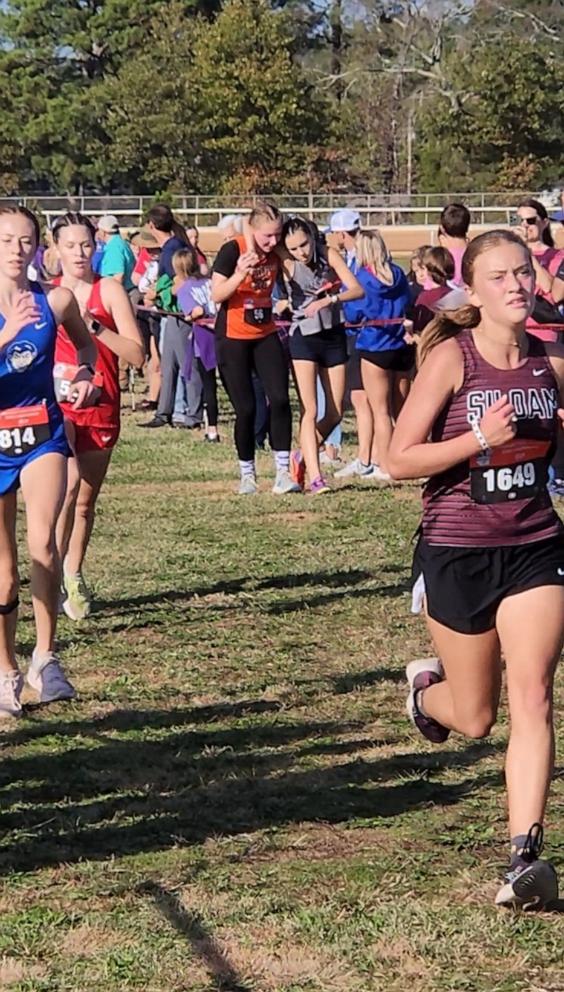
(192, 291)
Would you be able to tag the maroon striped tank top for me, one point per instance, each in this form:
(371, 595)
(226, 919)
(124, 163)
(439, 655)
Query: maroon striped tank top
(497, 498)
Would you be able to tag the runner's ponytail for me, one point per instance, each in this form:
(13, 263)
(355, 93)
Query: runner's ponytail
(446, 325)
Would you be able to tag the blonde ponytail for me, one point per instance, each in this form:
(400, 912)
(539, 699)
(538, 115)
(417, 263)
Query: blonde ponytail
(446, 325)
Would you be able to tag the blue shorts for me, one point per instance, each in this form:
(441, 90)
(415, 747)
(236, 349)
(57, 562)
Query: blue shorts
(326, 348)
(11, 468)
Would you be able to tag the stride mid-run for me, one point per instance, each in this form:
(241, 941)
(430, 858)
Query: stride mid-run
(481, 422)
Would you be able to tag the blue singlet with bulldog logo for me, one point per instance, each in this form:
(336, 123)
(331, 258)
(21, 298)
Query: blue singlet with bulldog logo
(26, 380)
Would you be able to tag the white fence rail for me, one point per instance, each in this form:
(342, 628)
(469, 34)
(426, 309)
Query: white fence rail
(375, 209)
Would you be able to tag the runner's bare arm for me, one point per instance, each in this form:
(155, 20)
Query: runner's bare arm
(411, 454)
(354, 290)
(223, 287)
(66, 312)
(127, 343)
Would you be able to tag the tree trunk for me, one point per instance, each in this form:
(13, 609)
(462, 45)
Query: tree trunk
(336, 33)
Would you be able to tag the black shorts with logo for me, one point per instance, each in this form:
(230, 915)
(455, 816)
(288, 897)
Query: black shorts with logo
(465, 586)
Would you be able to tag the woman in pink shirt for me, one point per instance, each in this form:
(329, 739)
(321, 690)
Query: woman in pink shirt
(548, 263)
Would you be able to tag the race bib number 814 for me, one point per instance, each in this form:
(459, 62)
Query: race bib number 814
(23, 428)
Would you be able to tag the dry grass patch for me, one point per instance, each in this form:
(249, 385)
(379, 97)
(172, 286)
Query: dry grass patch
(14, 971)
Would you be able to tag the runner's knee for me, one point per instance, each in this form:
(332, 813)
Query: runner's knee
(476, 725)
(531, 703)
(42, 547)
(9, 588)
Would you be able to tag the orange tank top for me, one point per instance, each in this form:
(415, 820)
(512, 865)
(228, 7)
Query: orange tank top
(249, 310)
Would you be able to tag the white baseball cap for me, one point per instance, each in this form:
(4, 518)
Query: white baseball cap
(345, 220)
(108, 223)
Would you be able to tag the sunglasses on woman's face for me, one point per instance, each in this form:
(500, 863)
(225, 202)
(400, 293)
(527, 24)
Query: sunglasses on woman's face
(531, 221)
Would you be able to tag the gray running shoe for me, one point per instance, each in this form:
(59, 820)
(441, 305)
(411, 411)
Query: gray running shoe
(285, 484)
(46, 676)
(355, 468)
(248, 485)
(11, 684)
(532, 884)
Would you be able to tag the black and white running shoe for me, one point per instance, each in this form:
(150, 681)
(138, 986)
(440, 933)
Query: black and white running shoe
(533, 883)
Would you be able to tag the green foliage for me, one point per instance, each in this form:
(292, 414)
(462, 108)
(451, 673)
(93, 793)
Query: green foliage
(280, 95)
(256, 107)
(508, 129)
(208, 106)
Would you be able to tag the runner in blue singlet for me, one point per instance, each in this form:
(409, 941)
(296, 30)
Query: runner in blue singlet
(33, 451)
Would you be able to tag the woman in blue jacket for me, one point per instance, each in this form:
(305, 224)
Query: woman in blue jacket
(386, 359)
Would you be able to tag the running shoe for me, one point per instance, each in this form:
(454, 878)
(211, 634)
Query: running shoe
(328, 461)
(284, 483)
(11, 684)
(533, 883)
(248, 485)
(46, 676)
(77, 602)
(355, 468)
(319, 486)
(420, 675)
(556, 487)
(378, 474)
(332, 452)
(297, 467)
(212, 438)
(156, 422)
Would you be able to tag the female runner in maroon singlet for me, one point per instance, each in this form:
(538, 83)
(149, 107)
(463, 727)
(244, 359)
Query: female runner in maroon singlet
(491, 549)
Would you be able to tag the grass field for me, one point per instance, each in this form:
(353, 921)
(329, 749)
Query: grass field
(237, 803)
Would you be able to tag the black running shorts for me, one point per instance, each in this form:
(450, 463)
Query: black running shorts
(465, 586)
(327, 348)
(393, 360)
(354, 378)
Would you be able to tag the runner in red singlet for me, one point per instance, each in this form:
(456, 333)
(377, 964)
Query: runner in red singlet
(491, 549)
(92, 432)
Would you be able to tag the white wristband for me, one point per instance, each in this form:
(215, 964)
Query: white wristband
(475, 425)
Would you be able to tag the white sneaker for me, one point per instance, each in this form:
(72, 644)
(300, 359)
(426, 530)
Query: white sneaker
(11, 684)
(46, 676)
(248, 485)
(285, 484)
(379, 474)
(324, 459)
(355, 468)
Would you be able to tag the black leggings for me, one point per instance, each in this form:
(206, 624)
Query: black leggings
(209, 384)
(237, 360)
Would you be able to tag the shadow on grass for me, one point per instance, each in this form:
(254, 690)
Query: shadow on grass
(223, 974)
(343, 583)
(163, 783)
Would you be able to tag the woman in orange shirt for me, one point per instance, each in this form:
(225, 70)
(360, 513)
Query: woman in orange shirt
(247, 342)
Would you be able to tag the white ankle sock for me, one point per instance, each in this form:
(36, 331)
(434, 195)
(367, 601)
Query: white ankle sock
(282, 461)
(247, 468)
